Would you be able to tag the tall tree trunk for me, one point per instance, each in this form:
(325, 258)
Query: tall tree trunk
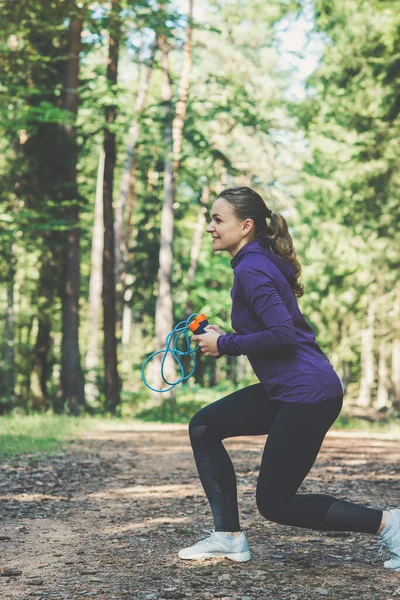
(111, 382)
(382, 394)
(7, 387)
(128, 230)
(72, 382)
(164, 307)
(194, 259)
(127, 196)
(199, 232)
(95, 285)
(218, 372)
(181, 105)
(133, 135)
(232, 369)
(173, 143)
(127, 256)
(395, 359)
(42, 367)
(367, 360)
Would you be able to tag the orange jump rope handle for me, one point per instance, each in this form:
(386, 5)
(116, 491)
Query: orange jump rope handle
(198, 325)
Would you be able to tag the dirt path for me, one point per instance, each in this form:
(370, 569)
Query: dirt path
(106, 518)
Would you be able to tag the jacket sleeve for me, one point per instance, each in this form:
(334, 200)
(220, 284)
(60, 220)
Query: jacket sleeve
(278, 333)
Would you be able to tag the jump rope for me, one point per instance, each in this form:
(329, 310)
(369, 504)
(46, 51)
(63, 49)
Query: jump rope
(196, 326)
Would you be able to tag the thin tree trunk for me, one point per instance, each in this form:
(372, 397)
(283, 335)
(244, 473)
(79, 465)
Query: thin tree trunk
(128, 232)
(173, 144)
(7, 387)
(232, 368)
(95, 285)
(218, 371)
(382, 395)
(128, 197)
(395, 370)
(151, 179)
(112, 382)
(72, 382)
(395, 359)
(133, 135)
(343, 365)
(198, 233)
(181, 106)
(367, 360)
(127, 255)
(194, 259)
(126, 321)
(164, 307)
(42, 368)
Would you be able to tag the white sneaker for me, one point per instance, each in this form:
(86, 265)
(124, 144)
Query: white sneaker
(218, 544)
(392, 541)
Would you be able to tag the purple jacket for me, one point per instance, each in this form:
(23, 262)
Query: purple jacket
(272, 332)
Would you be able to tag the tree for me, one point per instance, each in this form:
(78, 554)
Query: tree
(350, 176)
(71, 371)
(111, 377)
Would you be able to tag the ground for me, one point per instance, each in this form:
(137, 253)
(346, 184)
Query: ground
(106, 517)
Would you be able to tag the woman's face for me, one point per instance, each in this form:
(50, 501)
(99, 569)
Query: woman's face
(228, 233)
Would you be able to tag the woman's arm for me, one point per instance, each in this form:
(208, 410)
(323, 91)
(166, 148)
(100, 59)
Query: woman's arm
(278, 334)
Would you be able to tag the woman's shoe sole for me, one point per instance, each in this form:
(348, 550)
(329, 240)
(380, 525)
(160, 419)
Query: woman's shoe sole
(237, 557)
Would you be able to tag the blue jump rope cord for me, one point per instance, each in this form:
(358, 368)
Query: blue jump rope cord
(182, 328)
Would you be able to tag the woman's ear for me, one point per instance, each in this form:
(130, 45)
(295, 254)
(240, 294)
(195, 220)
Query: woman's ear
(248, 226)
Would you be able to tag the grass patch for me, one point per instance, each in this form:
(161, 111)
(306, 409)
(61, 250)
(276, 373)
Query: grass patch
(385, 425)
(189, 399)
(43, 434)
(171, 413)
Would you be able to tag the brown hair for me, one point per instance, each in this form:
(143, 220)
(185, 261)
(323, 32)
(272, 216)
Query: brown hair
(247, 204)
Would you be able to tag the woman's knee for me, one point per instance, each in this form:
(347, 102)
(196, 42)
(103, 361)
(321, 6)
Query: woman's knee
(270, 506)
(198, 426)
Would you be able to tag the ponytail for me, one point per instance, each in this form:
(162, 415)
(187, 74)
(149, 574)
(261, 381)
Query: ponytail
(278, 239)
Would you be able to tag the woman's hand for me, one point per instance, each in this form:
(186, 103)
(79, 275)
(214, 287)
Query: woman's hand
(208, 341)
(215, 328)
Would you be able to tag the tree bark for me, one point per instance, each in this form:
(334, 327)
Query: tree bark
(164, 306)
(95, 285)
(133, 134)
(127, 196)
(7, 387)
(199, 232)
(127, 255)
(173, 142)
(128, 231)
(111, 380)
(194, 259)
(42, 367)
(72, 382)
(382, 395)
(181, 105)
(395, 359)
(367, 361)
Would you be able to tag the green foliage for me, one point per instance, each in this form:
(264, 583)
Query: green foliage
(340, 191)
(348, 213)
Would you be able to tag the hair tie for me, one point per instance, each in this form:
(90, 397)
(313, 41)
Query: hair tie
(269, 213)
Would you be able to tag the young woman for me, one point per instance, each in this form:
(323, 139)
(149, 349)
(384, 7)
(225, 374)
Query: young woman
(297, 400)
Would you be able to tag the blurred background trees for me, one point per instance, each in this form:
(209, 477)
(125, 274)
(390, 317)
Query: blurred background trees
(121, 120)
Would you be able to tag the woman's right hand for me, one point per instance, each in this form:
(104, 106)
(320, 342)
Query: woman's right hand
(215, 328)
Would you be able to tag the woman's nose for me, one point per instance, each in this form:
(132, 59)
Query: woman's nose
(209, 228)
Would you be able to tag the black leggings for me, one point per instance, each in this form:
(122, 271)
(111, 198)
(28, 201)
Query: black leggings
(295, 434)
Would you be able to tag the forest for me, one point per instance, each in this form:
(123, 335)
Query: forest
(122, 120)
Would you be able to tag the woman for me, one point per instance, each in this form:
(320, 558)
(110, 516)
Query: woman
(297, 400)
